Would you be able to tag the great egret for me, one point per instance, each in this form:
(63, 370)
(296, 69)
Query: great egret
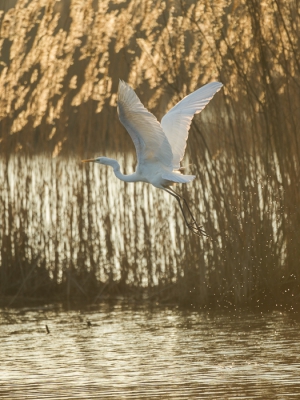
(160, 146)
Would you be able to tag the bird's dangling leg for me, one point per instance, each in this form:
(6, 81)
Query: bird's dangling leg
(193, 225)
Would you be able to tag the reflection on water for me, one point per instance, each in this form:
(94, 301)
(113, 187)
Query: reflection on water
(141, 353)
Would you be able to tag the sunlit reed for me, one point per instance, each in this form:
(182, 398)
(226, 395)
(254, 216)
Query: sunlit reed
(75, 230)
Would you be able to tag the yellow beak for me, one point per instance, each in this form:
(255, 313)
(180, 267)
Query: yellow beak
(89, 160)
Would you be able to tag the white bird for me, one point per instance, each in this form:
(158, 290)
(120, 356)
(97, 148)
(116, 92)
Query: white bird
(160, 146)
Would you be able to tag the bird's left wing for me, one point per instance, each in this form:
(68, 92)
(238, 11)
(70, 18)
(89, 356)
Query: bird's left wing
(146, 132)
(176, 123)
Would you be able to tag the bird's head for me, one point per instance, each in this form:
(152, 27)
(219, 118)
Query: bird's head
(104, 160)
(98, 160)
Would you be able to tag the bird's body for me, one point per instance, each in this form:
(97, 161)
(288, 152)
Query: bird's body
(155, 173)
(159, 146)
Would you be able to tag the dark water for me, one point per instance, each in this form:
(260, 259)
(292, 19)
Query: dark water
(134, 353)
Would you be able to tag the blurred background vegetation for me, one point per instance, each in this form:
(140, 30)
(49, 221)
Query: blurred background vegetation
(68, 230)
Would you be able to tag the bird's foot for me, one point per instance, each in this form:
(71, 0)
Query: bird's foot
(196, 229)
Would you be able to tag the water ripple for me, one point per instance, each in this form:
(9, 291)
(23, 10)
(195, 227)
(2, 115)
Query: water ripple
(129, 353)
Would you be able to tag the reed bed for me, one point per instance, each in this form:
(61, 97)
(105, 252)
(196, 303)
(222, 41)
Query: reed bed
(71, 230)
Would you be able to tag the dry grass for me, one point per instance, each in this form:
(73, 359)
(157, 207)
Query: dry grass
(72, 230)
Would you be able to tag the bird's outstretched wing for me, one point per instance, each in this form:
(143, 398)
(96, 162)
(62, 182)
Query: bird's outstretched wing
(177, 121)
(146, 132)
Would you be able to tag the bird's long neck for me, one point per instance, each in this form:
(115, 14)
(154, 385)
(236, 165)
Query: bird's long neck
(116, 167)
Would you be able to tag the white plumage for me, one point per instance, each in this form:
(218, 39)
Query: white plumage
(176, 123)
(160, 146)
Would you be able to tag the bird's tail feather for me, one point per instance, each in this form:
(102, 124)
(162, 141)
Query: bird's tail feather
(178, 178)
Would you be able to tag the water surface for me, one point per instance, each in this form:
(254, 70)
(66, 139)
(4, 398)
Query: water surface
(133, 353)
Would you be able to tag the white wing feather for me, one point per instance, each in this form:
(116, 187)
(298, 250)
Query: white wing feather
(177, 121)
(146, 132)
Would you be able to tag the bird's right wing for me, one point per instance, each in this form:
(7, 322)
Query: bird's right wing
(176, 123)
(146, 132)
